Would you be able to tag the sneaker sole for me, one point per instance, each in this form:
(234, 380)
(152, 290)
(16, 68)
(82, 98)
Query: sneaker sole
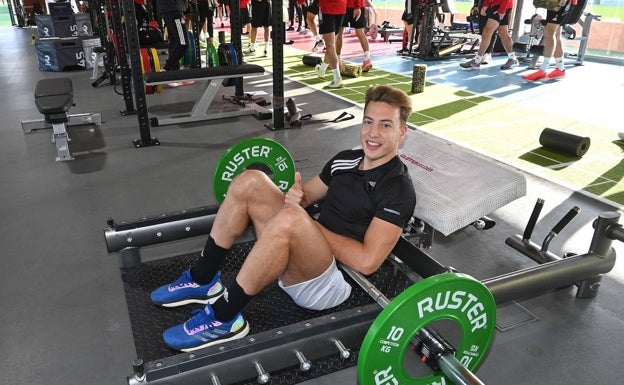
(535, 80)
(202, 301)
(508, 68)
(241, 333)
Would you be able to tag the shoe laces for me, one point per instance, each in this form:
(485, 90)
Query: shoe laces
(185, 280)
(202, 320)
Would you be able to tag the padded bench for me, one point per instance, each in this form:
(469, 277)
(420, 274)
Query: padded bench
(454, 186)
(385, 33)
(53, 98)
(215, 76)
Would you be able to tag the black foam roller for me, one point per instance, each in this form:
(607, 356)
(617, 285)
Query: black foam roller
(563, 142)
(312, 60)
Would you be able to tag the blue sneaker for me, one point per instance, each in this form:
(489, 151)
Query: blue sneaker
(184, 291)
(204, 330)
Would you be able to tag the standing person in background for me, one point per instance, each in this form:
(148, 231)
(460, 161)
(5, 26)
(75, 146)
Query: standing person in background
(355, 19)
(172, 14)
(223, 10)
(552, 43)
(260, 17)
(331, 15)
(312, 12)
(475, 12)
(294, 9)
(497, 13)
(410, 9)
(245, 17)
(206, 18)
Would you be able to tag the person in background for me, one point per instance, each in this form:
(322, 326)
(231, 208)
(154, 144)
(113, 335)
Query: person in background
(331, 15)
(260, 17)
(355, 19)
(553, 44)
(312, 11)
(172, 14)
(206, 19)
(497, 14)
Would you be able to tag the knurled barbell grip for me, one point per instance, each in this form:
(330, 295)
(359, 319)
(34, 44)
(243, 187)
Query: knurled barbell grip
(449, 364)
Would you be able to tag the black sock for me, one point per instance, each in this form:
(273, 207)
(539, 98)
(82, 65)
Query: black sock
(209, 263)
(230, 303)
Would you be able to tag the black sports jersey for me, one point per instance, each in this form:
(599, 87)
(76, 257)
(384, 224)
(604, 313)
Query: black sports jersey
(354, 196)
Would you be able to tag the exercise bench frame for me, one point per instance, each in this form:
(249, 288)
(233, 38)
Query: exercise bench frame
(53, 98)
(215, 77)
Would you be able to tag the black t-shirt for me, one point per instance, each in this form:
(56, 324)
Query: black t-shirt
(354, 196)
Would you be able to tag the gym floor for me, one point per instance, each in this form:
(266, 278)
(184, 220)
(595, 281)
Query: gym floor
(65, 319)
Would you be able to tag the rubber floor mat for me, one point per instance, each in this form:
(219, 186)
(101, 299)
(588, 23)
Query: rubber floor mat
(271, 309)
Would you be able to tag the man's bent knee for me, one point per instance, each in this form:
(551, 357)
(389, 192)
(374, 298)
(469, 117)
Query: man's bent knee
(252, 180)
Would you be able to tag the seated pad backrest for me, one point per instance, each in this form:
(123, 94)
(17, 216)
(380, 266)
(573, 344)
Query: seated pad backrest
(54, 104)
(55, 86)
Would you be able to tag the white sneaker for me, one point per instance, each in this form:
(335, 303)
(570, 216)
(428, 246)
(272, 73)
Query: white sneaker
(319, 71)
(335, 84)
(317, 45)
(249, 51)
(487, 58)
(510, 63)
(621, 135)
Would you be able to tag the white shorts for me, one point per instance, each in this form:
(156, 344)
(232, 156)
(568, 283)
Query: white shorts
(323, 292)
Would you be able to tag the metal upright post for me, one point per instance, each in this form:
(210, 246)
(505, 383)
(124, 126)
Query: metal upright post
(279, 38)
(122, 58)
(132, 40)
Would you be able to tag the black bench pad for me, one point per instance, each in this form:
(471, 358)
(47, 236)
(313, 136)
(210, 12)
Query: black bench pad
(56, 86)
(202, 73)
(54, 104)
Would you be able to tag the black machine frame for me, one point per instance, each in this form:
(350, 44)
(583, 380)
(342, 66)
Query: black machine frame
(339, 333)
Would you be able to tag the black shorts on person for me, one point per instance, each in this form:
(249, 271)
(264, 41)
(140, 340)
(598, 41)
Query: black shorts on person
(349, 20)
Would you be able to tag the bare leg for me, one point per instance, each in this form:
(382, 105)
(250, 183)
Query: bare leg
(252, 197)
(503, 35)
(361, 35)
(311, 24)
(291, 246)
(331, 58)
(339, 42)
(289, 243)
(486, 36)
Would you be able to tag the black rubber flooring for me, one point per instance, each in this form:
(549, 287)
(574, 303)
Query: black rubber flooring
(269, 310)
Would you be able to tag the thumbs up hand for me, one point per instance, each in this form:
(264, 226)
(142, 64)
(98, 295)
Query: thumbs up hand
(296, 194)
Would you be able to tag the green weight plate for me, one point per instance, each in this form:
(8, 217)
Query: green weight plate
(212, 58)
(254, 152)
(452, 296)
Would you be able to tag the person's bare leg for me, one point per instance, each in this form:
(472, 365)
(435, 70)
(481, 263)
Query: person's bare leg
(251, 197)
(361, 35)
(486, 37)
(331, 58)
(291, 246)
(503, 35)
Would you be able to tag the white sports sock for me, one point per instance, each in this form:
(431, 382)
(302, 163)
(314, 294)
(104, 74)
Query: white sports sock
(545, 64)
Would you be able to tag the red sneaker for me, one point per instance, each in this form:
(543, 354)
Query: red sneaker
(537, 75)
(367, 65)
(556, 74)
